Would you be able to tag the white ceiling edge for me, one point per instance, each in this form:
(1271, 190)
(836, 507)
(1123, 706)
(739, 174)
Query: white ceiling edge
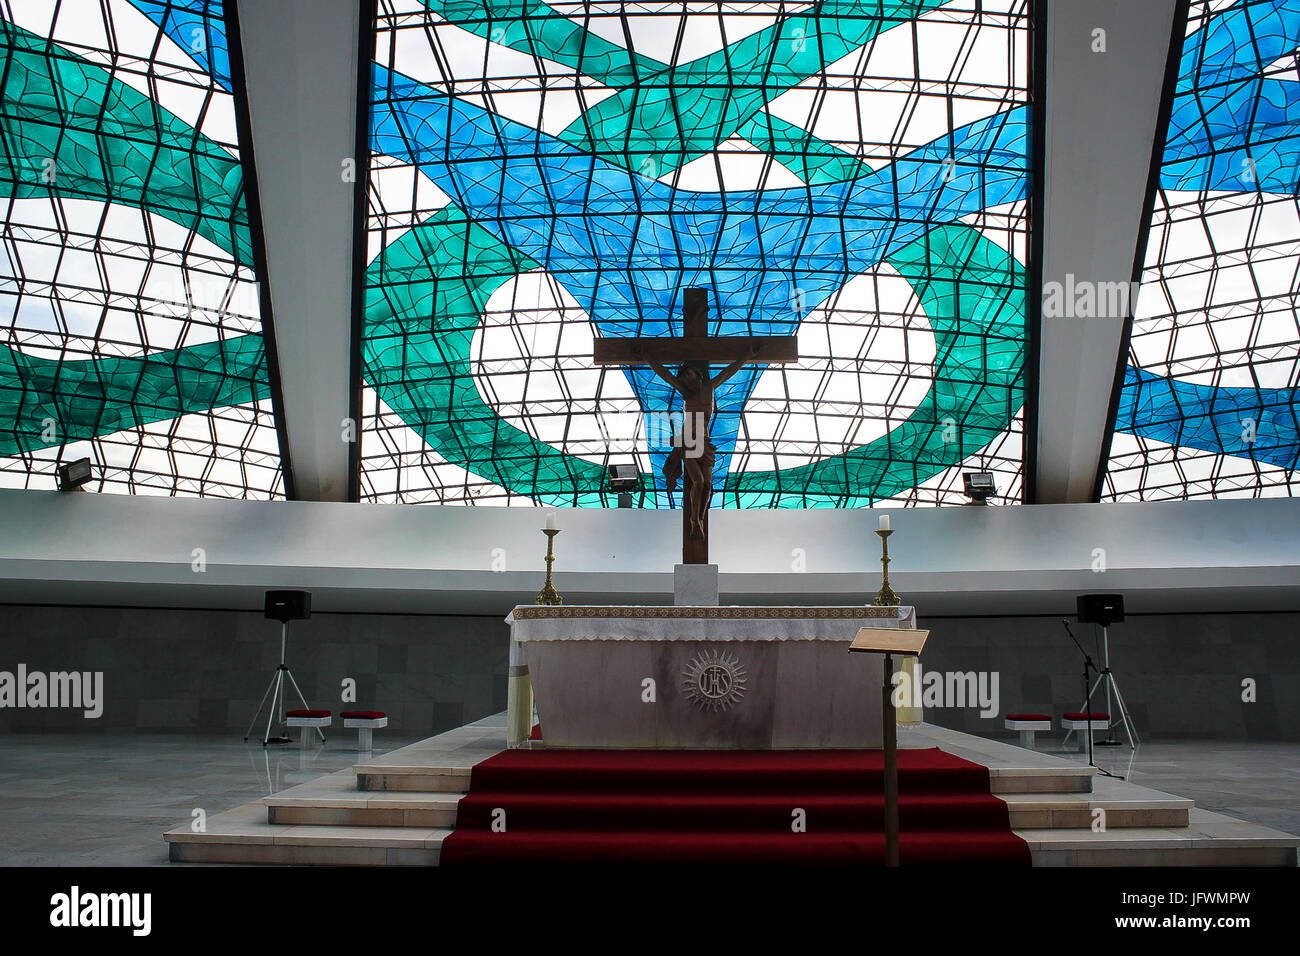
(121, 550)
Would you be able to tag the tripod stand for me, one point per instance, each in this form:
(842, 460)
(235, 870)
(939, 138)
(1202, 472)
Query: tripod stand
(277, 691)
(1107, 677)
(1088, 667)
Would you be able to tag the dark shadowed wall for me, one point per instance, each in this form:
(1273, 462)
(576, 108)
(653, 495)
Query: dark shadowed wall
(204, 671)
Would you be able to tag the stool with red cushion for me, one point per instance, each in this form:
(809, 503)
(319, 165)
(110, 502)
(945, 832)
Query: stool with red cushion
(365, 722)
(307, 722)
(1082, 722)
(1028, 725)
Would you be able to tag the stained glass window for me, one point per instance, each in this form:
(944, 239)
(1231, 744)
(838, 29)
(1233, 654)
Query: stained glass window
(854, 173)
(1208, 404)
(128, 299)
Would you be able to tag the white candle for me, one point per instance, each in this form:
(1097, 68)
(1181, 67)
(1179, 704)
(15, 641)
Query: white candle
(550, 521)
(884, 522)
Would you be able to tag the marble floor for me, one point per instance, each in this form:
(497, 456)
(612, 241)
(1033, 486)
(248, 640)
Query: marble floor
(83, 800)
(1258, 782)
(92, 800)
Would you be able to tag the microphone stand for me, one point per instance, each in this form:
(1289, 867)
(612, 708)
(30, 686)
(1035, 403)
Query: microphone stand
(1088, 665)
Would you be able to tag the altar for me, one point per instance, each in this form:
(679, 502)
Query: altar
(705, 677)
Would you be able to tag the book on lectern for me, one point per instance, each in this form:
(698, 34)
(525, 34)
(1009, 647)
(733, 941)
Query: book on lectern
(889, 640)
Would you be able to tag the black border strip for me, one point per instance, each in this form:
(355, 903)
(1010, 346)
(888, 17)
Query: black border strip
(253, 207)
(1177, 39)
(360, 220)
(1037, 205)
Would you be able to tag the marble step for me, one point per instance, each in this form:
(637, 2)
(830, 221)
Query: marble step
(439, 764)
(397, 809)
(1072, 811)
(1050, 799)
(1064, 779)
(434, 778)
(243, 836)
(1209, 839)
(1002, 780)
(420, 785)
(406, 778)
(442, 763)
(1011, 769)
(1126, 805)
(335, 801)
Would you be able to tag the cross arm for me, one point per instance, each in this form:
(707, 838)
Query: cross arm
(753, 349)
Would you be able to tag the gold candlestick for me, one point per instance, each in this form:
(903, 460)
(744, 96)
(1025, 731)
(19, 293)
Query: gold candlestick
(885, 597)
(548, 594)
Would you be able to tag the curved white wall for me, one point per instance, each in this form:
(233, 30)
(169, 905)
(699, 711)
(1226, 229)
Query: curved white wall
(1177, 556)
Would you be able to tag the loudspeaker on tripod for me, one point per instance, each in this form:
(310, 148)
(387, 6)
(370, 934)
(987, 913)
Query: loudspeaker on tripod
(285, 606)
(1103, 609)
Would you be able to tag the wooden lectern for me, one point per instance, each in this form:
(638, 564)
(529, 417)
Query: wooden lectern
(890, 641)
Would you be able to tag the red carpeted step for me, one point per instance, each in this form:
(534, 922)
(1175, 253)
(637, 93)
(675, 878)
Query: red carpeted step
(712, 771)
(664, 813)
(637, 806)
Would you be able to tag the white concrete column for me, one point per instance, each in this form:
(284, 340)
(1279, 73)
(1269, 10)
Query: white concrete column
(1106, 63)
(300, 66)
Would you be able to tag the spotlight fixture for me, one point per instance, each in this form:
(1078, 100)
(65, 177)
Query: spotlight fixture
(624, 479)
(73, 475)
(980, 486)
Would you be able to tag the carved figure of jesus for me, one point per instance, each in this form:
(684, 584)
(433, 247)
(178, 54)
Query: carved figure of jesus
(697, 390)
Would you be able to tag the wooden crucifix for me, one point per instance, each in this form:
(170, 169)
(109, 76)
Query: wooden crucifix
(693, 452)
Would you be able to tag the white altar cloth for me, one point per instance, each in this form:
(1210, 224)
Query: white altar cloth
(530, 622)
(720, 677)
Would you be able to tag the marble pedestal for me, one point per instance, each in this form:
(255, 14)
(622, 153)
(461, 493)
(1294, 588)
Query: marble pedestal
(701, 677)
(695, 585)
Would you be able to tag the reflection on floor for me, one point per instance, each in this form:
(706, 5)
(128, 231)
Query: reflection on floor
(1249, 780)
(90, 800)
(1259, 782)
(103, 800)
